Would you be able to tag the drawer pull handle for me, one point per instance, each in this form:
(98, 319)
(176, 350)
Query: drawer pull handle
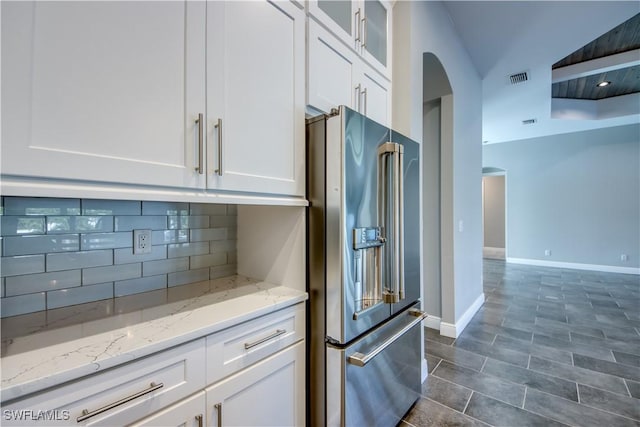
(86, 414)
(359, 359)
(277, 333)
(218, 407)
(199, 420)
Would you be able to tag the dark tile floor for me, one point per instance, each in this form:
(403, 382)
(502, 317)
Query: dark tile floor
(549, 347)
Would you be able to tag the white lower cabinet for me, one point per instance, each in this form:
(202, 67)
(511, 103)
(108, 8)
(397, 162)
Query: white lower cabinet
(338, 76)
(117, 396)
(270, 393)
(188, 413)
(250, 374)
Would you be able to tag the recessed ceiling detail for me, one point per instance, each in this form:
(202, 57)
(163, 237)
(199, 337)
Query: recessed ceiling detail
(612, 57)
(622, 82)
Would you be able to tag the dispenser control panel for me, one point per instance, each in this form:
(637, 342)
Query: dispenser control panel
(367, 237)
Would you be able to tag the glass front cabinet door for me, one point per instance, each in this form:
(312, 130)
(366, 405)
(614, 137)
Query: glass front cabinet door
(364, 25)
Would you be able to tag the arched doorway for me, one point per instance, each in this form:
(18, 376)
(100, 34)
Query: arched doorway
(437, 189)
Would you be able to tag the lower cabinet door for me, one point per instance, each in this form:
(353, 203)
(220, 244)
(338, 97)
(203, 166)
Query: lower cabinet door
(270, 393)
(187, 413)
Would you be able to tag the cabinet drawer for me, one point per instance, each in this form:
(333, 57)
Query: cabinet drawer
(117, 396)
(245, 344)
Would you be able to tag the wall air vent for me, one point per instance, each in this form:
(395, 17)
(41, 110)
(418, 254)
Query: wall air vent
(519, 78)
(529, 121)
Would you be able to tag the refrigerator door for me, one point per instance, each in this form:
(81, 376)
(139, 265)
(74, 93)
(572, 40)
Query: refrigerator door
(411, 215)
(353, 293)
(375, 380)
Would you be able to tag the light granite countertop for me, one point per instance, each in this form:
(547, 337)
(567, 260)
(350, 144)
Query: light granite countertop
(46, 349)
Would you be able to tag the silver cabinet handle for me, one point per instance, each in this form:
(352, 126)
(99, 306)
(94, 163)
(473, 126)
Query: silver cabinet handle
(390, 216)
(357, 104)
(364, 32)
(86, 414)
(199, 420)
(219, 127)
(359, 359)
(277, 333)
(218, 407)
(364, 95)
(357, 25)
(200, 123)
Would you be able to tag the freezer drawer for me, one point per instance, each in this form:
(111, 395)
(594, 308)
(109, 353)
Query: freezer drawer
(375, 380)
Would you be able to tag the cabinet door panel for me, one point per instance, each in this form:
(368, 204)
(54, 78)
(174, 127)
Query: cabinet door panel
(101, 91)
(331, 71)
(256, 85)
(340, 17)
(270, 393)
(182, 414)
(377, 97)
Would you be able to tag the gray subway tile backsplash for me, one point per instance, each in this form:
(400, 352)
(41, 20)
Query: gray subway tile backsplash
(47, 243)
(15, 266)
(61, 252)
(33, 283)
(143, 284)
(82, 294)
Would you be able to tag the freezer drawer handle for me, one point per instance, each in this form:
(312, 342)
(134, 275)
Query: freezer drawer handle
(86, 414)
(277, 333)
(360, 359)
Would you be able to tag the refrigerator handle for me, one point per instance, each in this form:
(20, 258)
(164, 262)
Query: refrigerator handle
(391, 216)
(359, 359)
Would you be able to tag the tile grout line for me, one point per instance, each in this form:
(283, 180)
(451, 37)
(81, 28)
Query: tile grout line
(468, 400)
(524, 398)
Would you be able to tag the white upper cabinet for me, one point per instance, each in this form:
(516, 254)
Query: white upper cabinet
(256, 96)
(337, 76)
(111, 92)
(103, 91)
(363, 25)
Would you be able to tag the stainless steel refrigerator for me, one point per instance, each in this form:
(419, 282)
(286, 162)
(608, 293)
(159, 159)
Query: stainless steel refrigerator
(363, 271)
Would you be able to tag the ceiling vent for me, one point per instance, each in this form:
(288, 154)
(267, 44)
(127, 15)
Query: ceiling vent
(529, 121)
(519, 78)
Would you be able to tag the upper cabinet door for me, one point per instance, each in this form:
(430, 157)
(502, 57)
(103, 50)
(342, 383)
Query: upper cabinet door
(256, 96)
(376, 28)
(103, 91)
(363, 25)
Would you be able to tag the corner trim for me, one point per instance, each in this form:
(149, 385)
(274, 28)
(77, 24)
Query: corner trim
(576, 266)
(454, 330)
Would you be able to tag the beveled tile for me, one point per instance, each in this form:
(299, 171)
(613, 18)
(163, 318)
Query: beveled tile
(609, 402)
(427, 413)
(634, 388)
(497, 413)
(579, 375)
(483, 383)
(531, 379)
(446, 393)
(493, 352)
(453, 354)
(434, 335)
(41, 206)
(606, 367)
(571, 413)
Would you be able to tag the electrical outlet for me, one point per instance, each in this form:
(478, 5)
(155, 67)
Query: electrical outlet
(624, 257)
(547, 252)
(141, 241)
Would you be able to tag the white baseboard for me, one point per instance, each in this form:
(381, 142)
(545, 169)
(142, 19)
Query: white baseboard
(454, 330)
(575, 266)
(432, 322)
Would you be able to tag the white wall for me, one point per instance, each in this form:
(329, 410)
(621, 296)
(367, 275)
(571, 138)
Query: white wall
(421, 27)
(576, 195)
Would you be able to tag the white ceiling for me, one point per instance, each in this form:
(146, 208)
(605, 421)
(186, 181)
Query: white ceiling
(507, 37)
